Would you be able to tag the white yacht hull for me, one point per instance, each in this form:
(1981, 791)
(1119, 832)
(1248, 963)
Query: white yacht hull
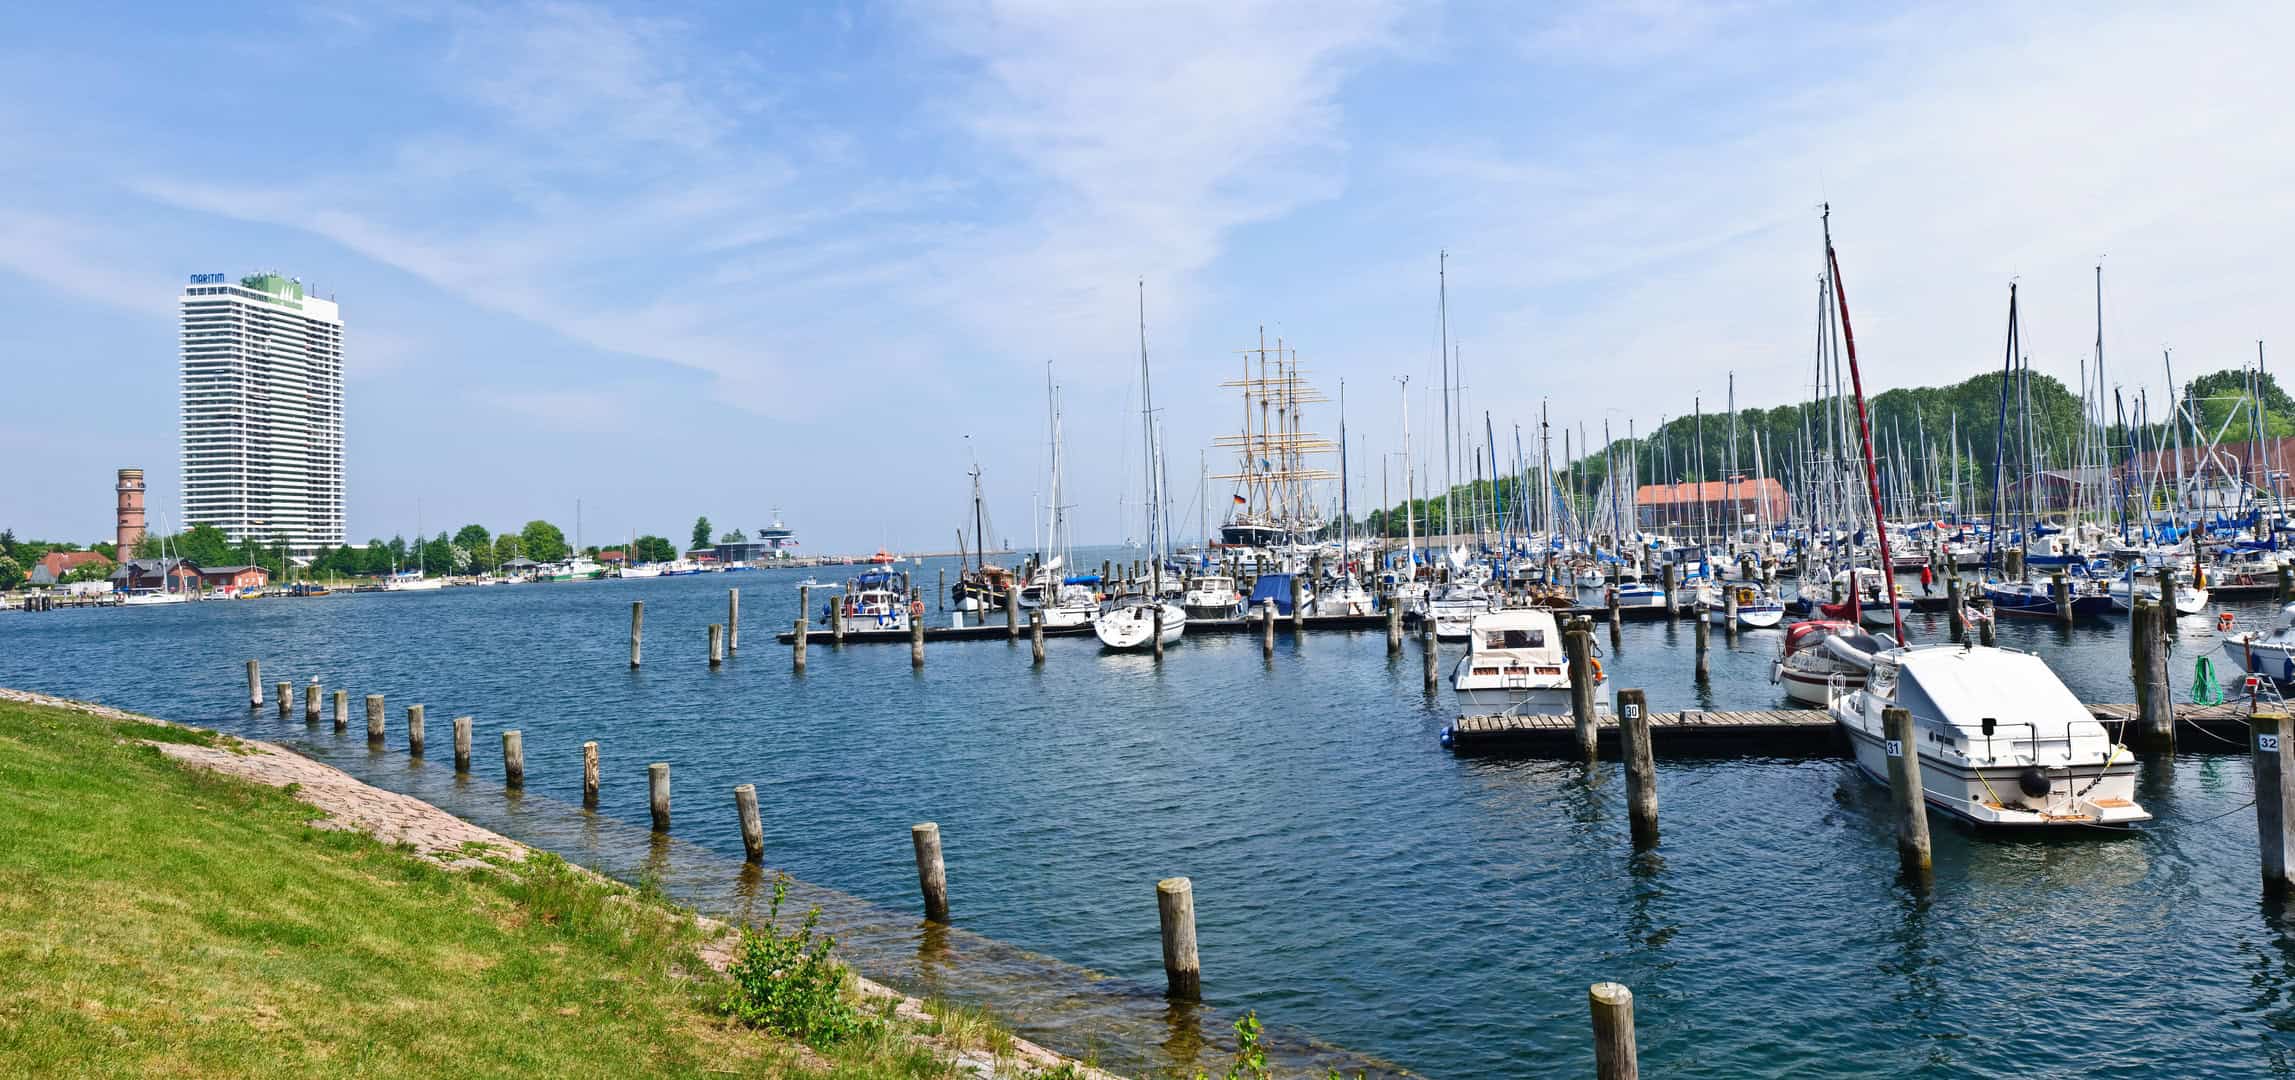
(1976, 794)
(2272, 660)
(1133, 627)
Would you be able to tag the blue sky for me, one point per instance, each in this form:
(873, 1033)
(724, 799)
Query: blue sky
(672, 260)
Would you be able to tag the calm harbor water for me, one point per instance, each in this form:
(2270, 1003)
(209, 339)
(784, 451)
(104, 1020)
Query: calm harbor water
(1356, 884)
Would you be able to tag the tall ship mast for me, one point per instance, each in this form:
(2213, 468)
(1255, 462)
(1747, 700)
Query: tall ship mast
(1271, 502)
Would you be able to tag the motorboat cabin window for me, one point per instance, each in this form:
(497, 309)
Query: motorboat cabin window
(1515, 639)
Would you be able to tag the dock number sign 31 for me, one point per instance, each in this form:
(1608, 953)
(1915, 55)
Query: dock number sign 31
(1896, 748)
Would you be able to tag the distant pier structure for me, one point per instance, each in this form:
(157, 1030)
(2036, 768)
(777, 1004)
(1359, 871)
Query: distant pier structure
(130, 522)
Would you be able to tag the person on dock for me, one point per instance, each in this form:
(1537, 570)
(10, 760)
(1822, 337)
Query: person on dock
(1927, 579)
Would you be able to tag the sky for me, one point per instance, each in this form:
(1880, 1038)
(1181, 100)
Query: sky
(672, 260)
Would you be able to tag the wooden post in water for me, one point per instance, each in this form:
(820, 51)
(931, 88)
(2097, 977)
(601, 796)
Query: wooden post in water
(1728, 613)
(1431, 649)
(1904, 786)
(2286, 582)
(732, 621)
(1988, 632)
(462, 744)
(797, 645)
(716, 644)
(1703, 634)
(590, 775)
(1957, 617)
(311, 702)
(414, 731)
(752, 831)
(1298, 607)
(657, 794)
(1012, 609)
(1267, 628)
(2060, 590)
(637, 631)
(1641, 766)
(1614, 1052)
(915, 641)
(837, 618)
(1175, 909)
(254, 684)
(1578, 646)
(1036, 638)
(1615, 631)
(940, 596)
(2154, 728)
(931, 873)
(286, 695)
(2272, 739)
(513, 759)
(805, 602)
(342, 710)
(2167, 603)
(1155, 633)
(1394, 626)
(1672, 601)
(374, 718)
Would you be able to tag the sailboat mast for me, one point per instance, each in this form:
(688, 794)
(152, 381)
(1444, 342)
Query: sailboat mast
(1442, 278)
(1147, 446)
(1864, 432)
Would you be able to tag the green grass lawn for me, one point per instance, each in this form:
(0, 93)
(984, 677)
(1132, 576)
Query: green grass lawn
(160, 920)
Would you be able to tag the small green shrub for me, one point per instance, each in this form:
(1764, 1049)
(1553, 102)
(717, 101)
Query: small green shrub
(785, 982)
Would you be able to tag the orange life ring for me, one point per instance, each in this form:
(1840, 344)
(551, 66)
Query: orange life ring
(916, 609)
(2224, 620)
(1596, 667)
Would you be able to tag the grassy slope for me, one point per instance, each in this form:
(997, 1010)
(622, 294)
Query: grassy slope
(156, 919)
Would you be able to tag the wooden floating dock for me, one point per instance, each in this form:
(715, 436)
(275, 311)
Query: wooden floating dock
(1775, 732)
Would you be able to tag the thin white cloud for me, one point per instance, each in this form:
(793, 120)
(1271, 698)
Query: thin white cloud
(84, 259)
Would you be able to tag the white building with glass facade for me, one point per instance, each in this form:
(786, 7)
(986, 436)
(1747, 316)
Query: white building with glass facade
(262, 387)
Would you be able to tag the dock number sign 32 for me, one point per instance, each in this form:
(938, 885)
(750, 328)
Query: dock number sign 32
(2268, 744)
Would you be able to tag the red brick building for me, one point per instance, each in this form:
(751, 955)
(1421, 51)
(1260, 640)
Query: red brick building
(1715, 502)
(235, 578)
(51, 567)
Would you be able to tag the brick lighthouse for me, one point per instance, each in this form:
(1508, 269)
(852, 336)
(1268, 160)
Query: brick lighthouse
(130, 512)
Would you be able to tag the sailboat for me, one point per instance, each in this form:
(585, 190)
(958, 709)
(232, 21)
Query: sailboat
(168, 592)
(1063, 600)
(979, 586)
(1138, 621)
(1998, 738)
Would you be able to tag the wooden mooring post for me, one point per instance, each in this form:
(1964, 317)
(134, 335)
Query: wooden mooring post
(1641, 766)
(1394, 625)
(2167, 603)
(1988, 631)
(513, 759)
(1012, 609)
(1267, 628)
(915, 640)
(716, 644)
(1615, 632)
(1956, 616)
(2154, 728)
(931, 872)
(414, 730)
(797, 645)
(342, 710)
(1036, 638)
(1729, 613)
(1431, 649)
(1672, 599)
(254, 684)
(657, 794)
(462, 726)
(837, 618)
(1175, 910)
(590, 774)
(1704, 634)
(732, 621)
(285, 692)
(1578, 647)
(2286, 583)
(1903, 752)
(2060, 591)
(2272, 739)
(637, 631)
(1155, 632)
(374, 718)
(752, 830)
(1613, 1011)
(1298, 607)
(311, 701)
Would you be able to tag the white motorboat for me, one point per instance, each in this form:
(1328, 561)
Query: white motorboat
(1212, 596)
(2137, 585)
(1638, 595)
(1755, 609)
(639, 570)
(1130, 623)
(1812, 673)
(879, 600)
(1071, 603)
(1453, 608)
(412, 581)
(1999, 739)
(1514, 662)
(2269, 653)
(151, 597)
(1348, 597)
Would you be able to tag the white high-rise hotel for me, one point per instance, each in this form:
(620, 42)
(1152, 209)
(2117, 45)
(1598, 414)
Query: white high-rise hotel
(263, 411)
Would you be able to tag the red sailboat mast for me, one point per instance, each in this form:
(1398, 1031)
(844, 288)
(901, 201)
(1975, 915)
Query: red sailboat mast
(1864, 435)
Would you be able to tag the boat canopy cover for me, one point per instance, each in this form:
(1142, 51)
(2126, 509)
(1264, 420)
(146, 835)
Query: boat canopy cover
(1802, 634)
(1961, 686)
(1530, 631)
(1276, 587)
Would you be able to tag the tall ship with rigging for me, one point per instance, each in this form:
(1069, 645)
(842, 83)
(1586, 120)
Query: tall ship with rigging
(1272, 506)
